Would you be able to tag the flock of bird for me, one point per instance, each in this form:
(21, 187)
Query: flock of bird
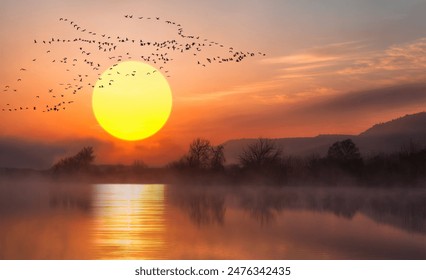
(92, 49)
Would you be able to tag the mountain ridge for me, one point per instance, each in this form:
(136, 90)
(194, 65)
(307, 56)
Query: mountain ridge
(386, 137)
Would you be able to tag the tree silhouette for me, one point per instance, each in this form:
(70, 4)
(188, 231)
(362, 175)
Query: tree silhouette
(218, 158)
(202, 156)
(139, 165)
(79, 162)
(346, 155)
(262, 153)
(199, 154)
(343, 151)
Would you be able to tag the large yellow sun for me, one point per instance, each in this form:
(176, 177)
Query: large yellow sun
(132, 100)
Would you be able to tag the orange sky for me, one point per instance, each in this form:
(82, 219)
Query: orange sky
(330, 68)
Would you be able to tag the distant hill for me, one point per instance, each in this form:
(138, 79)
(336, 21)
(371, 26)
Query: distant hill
(408, 125)
(381, 138)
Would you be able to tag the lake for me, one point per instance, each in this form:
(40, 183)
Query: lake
(48, 220)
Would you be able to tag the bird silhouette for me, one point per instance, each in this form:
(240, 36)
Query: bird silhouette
(94, 46)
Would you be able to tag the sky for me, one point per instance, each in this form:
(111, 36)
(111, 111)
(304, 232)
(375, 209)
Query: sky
(330, 67)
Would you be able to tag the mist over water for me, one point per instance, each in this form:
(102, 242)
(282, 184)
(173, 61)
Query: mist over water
(57, 220)
(129, 221)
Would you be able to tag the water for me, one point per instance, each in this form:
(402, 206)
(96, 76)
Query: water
(129, 221)
(136, 221)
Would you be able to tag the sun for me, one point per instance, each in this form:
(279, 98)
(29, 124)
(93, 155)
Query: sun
(132, 100)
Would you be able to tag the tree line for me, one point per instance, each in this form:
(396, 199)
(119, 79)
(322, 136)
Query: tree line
(265, 162)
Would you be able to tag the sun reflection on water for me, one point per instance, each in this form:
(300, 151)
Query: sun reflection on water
(129, 221)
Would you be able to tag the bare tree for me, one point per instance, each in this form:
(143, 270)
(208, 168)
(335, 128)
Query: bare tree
(263, 153)
(199, 154)
(218, 158)
(202, 155)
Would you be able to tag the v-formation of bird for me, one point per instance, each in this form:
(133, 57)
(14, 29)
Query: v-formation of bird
(93, 44)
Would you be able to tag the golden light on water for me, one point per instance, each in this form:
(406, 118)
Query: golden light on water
(129, 221)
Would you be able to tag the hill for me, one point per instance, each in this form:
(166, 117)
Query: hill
(385, 137)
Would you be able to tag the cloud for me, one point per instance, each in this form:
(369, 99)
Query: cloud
(253, 87)
(330, 54)
(409, 57)
(329, 69)
(318, 90)
(355, 63)
(347, 113)
(387, 98)
(160, 152)
(300, 59)
(22, 153)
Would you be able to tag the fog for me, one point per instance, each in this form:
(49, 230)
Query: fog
(45, 218)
